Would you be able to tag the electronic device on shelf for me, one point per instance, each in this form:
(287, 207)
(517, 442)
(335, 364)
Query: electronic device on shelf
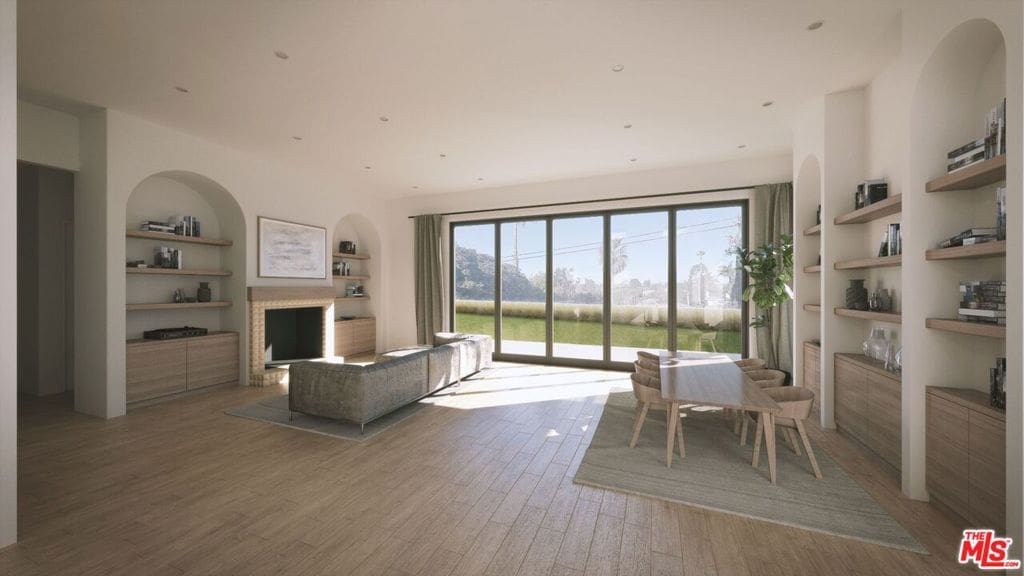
(171, 333)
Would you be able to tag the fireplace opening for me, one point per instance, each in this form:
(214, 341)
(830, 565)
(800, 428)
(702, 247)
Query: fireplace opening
(292, 334)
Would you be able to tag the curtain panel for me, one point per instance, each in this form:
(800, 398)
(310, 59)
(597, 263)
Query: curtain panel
(429, 278)
(773, 218)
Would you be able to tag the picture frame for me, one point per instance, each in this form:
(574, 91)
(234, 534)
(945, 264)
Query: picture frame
(290, 250)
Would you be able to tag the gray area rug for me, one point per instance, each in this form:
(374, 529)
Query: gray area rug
(275, 411)
(716, 474)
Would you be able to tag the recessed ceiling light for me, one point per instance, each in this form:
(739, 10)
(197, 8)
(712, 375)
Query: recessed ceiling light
(766, 104)
(367, 167)
(415, 187)
(443, 155)
(480, 179)
(281, 54)
(181, 89)
(384, 119)
(618, 68)
(815, 25)
(627, 126)
(742, 146)
(296, 137)
(632, 159)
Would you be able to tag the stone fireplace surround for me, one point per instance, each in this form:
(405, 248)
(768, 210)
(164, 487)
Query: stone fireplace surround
(263, 298)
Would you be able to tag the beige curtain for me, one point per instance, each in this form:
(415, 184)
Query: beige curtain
(773, 218)
(429, 278)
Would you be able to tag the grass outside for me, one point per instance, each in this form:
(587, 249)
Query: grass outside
(570, 332)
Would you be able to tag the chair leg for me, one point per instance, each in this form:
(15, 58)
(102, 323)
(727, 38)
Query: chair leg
(639, 425)
(738, 416)
(807, 447)
(671, 418)
(787, 433)
(757, 442)
(679, 434)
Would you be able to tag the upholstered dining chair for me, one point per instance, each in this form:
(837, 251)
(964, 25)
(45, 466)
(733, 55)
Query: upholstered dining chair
(763, 378)
(750, 364)
(647, 388)
(795, 403)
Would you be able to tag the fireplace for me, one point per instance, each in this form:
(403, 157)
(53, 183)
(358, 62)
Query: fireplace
(298, 340)
(292, 334)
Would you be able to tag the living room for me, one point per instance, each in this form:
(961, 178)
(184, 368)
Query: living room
(262, 324)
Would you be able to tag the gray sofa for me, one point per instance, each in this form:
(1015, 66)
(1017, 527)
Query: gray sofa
(360, 393)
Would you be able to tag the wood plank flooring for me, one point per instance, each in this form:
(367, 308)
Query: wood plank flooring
(479, 482)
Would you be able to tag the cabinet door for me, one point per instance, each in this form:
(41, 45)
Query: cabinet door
(987, 472)
(851, 402)
(884, 415)
(212, 361)
(364, 336)
(812, 374)
(343, 338)
(154, 369)
(946, 476)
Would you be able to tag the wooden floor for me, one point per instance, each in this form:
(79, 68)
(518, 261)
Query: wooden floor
(479, 482)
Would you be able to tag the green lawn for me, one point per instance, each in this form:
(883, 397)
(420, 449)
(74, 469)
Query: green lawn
(628, 335)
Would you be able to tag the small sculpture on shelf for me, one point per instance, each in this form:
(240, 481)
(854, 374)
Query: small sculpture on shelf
(179, 296)
(881, 300)
(857, 295)
(347, 247)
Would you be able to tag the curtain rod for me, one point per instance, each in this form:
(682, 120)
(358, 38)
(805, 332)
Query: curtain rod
(599, 200)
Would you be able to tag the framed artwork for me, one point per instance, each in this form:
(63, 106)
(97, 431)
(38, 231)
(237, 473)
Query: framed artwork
(290, 250)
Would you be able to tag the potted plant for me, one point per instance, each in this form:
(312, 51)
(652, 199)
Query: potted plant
(769, 269)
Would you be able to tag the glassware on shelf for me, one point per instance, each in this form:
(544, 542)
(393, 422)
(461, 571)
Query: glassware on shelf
(876, 346)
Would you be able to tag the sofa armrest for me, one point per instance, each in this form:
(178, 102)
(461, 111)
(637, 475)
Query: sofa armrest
(333, 390)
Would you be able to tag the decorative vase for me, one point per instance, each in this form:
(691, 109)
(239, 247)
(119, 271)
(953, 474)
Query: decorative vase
(876, 346)
(857, 295)
(204, 294)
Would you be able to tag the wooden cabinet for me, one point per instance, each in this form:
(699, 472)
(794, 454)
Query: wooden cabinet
(868, 405)
(158, 368)
(355, 336)
(812, 373)
(966, 456)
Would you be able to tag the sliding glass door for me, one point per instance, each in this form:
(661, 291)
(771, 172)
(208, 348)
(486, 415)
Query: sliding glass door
(593, 289)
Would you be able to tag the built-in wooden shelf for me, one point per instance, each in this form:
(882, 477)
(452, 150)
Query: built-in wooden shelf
(890, 317)
(812, 307)
(178, 305)
(970, 399)
(871, 364)
(981, 174)
(813, 230)
(209, 335)
(178, 272)
(879, 262)
(353, 277)
(969, 328)
(166, 237)
(343, 256)
(351, 297)
(880, 209)
(812, 269)
(986, 250)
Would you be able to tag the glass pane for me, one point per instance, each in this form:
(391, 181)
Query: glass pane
(523, 287)
(639, 261)
(474, 279)
(709, 281)
(577, 286)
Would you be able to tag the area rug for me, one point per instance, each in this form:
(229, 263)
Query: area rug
(275, 411)
(716, 474)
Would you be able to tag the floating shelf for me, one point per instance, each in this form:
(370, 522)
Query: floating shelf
(969, 328)
(352, 277)
(880, 209)
(812, 269)
(890, 317)
(177, 305)
(813, 307)
(177, 272)
(343, 256)
(351, 297)
(879, 262)
(813, 230)
(981, 174)
(986, 250)
(163, 236)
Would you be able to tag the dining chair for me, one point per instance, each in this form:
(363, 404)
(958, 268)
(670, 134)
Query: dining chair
(796, 403)
(647, 389)
(750, 364)
(763, 378)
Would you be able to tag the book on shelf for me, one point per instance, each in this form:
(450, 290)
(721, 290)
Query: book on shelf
(982, 313)
(966, 161)
(966, 149)
(1001, 213)
(995, 130)
(969, 237)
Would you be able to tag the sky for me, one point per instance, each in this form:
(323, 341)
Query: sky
(577, 242)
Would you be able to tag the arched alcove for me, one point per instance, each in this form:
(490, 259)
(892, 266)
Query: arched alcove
(806, 251)
(360, 230)
(166, 195)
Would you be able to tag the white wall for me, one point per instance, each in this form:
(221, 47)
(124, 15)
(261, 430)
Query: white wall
(47, 137)
(8, 285)
(401, 312)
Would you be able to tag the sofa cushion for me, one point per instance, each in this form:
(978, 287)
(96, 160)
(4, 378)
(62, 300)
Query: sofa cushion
(441, 338)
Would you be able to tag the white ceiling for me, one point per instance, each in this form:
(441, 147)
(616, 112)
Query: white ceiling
(511, 91)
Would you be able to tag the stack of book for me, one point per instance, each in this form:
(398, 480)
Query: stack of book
(154, 226)
(186, 226)
(966, 155)
(995, 131)
(983, 301)
(970, 237)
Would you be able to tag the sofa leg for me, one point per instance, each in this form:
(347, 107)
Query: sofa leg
(362, 428)
(291, 415)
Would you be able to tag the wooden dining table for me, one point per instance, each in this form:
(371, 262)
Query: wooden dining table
(715, 380)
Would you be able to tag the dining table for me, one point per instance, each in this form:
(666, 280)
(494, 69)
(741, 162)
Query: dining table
(715, 380)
